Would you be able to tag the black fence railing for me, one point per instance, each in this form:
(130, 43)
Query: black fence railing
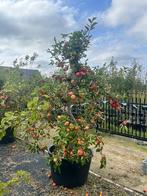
(130, 121)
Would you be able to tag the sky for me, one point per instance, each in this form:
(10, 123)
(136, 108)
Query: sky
(28, 26)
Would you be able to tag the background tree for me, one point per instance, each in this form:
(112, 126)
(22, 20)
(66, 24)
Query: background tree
(121, 80)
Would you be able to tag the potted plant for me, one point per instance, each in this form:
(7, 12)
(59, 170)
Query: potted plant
(10, 102)
(14, 96)
(74, 84)
(7, 132)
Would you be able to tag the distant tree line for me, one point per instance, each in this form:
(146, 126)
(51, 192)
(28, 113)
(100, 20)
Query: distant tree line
(122, 81)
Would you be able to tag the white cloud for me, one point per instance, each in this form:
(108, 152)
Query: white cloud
(30, 25)
(35, 18)
(124, 12)
(125, 33)
(103, 48)
(140, 28)
(129, 14)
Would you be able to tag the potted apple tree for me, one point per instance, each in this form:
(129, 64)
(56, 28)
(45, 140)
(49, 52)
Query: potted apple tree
(51, 110)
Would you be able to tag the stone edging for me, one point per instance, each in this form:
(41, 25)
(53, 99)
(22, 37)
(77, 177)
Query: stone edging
(137, 141)
(131, 191)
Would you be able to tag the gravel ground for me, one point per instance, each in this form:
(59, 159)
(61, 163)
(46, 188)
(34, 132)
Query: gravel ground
(124, 162)
(15, 157)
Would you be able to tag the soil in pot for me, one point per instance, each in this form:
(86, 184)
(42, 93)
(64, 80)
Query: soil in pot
(70, 174)
(9, 136)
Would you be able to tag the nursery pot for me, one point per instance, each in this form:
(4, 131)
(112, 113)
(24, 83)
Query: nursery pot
(70, 174)
(9, 136)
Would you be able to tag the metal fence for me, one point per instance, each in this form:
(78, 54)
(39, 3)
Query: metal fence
(133, 111)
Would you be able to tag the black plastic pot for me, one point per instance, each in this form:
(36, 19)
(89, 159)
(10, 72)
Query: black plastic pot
(70, 174)
(9, 137)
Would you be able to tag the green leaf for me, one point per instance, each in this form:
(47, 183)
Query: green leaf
(33, 103)
(103, 162)
(2, 133)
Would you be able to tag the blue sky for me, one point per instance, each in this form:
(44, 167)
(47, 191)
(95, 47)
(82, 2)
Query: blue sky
(89, 6)
(29, 26)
